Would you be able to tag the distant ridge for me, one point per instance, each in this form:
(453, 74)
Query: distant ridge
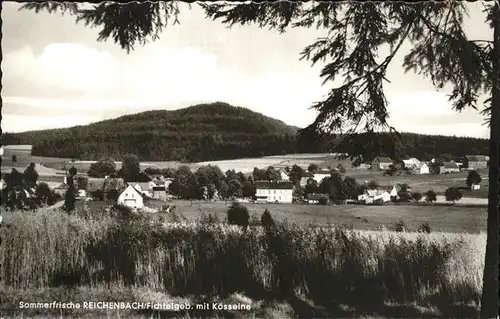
(219, 131)
(199, 132)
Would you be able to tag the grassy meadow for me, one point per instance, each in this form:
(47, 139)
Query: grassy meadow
(447, 218)
(284, 272)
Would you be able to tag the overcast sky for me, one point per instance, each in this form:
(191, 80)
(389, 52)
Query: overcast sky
(56, 74)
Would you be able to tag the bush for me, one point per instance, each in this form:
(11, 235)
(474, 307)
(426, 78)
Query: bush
(400, 226)
(404, 196)
(430, 196)
(113, 194)
(266, 219)
(425, 228)
(237, 214)
(97, 194)
(416, 196)
(452, 194)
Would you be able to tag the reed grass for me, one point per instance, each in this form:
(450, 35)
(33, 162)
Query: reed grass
(327, 265)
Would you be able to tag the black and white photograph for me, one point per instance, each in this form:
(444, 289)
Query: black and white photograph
(307, 159)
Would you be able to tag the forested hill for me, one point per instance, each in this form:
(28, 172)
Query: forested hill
(200, 132)
(218, 131)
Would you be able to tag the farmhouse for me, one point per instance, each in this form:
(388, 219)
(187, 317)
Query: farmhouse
(475, 162)
(272, 192)
(411, 163)
(159, 192)
(448, 167)
(322, 174)
(145, 188)
(421, 168)
(373, 195)
(381, 163)
(131, 197)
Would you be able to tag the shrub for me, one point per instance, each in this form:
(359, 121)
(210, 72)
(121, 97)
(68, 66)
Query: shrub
(266, 219)
(97, 194)
(473, 178)
(452, 194)
(430, 196)
(113, 194)
(69, 199)
(404, 196)
(237, 214)
(416, 196)
(425, 228)
(400, 226)
(323, 201)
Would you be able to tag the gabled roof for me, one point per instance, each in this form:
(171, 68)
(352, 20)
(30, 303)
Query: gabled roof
(421, 164)
(383, 159)
(273, 185)
(62, 186)
(96, 184)
(476, 158)
(132, 186)
(450, 165)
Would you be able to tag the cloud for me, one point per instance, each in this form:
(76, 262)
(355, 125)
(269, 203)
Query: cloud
(430, 112)
(63, 66)
(21, 123)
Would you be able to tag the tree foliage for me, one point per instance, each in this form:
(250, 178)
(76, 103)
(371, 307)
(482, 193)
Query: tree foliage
(237, 214)
(430, 196)
(452, 194)
(106, 166)
(473, 178)
(30, 176)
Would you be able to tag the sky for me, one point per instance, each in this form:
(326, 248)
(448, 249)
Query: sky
(56, 74)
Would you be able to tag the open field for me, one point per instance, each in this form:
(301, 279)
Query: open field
(447, 218)
(440, 217)
(423, 183)
(314, 272)
(244, 165)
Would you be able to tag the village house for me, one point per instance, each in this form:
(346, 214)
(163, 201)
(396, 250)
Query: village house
(284, 176)
(448, 167)
(145, 188)
(322, 174)
(422, 168)
(131, 197)
(304, 179)
(411, 163)
(62, 187)
(370, 196)
(473, 162)
(381, 163)
(159, 192)
(274, 192)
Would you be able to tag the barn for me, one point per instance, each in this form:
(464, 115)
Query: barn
(475, 162)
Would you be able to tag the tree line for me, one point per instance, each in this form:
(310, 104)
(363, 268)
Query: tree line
(219, 132)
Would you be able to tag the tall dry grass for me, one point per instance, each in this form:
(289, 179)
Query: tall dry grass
(326, 265)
